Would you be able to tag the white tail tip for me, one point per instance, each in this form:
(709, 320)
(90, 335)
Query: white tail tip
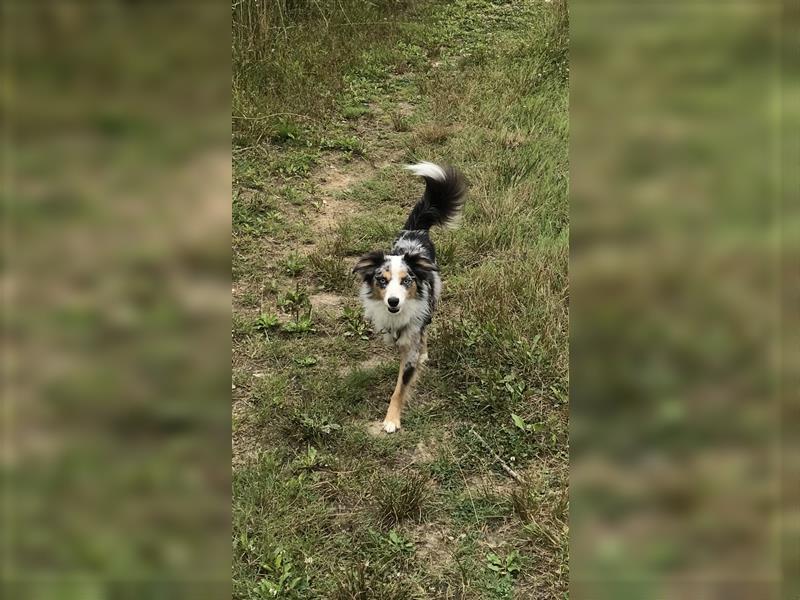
(427, 169)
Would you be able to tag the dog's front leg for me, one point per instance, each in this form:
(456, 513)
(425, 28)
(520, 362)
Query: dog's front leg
(423, 352)
(409, 359)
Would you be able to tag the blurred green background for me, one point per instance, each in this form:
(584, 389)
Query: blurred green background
(680, 241)
(115, 272)
(116, 265)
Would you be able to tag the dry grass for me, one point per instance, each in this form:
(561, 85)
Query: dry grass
(326, 489)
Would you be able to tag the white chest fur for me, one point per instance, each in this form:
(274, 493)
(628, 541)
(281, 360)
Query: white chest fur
(413, 313)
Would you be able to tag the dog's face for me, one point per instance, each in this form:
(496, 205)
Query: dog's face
(394, 279)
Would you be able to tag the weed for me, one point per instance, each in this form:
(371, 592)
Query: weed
(514, 387)
(286, 131)
(253, 216)
(242, 326)
(293, 264)
(433, 133)
(280, 579)
(364, 583)
(401, 498)
(349, 144)
(520, 424)
(248, 174)
(354, 584)
(294, 301)
(306, 361)
(542, 513)
(354, 112)
(300, 324)
(400, 122)
(265, 322)
(504, 567)
(399, 543)
(445, 472)
(298, 304)
(271, 287)
(355, 325)
(292, 195)
(505, 570)
(309, 461)
(331, 272)
(314, 428)
(295, 164)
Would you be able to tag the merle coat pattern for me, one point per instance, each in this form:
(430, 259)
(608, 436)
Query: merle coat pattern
(401, 288)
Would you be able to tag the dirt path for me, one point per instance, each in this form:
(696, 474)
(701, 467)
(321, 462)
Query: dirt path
(347, 510)
(332, 181)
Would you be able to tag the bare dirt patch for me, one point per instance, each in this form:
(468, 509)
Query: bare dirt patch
(332, 180)
(245, 451)
(496, 539)
(405, 109)
(375, 428)
(373, 361)
(325, 302)
(425, 451)
(488, 483)
(335, 179)
(244, 444)
(330, 213)
(435, 545)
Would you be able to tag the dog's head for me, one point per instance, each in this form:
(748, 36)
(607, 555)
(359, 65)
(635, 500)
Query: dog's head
(394, 278)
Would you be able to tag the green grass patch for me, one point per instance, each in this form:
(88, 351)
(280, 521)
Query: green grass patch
(328, 508)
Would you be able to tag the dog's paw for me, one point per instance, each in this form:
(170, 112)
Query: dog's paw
(391, 426)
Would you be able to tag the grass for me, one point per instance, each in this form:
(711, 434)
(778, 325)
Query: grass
(400, 498)
(322, 505)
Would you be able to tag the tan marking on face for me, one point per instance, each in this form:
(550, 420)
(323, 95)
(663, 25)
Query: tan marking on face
(412, 289)
(377, 291)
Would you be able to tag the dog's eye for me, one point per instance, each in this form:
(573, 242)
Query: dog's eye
(406, 280)
(381, 280)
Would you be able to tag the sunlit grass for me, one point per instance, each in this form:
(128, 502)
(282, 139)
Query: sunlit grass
(482, 86)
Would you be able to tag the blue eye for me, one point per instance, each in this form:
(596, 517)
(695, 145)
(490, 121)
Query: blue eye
(406, 280)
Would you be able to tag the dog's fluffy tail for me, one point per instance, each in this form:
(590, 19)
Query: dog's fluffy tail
(443, 200)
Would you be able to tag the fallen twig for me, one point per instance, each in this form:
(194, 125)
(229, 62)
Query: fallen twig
(516, 476)
(272, 116)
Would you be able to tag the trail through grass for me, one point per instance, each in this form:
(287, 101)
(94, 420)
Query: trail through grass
(325, 506)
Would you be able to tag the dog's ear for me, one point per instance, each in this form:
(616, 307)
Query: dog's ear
(420, 265)
(367, 264)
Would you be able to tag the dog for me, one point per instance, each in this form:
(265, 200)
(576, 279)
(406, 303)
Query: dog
(400, 289)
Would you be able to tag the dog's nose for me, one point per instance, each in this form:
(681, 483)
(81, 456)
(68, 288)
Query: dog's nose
(393, 302)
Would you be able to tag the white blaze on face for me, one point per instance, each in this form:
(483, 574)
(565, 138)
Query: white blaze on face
(395, 288)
